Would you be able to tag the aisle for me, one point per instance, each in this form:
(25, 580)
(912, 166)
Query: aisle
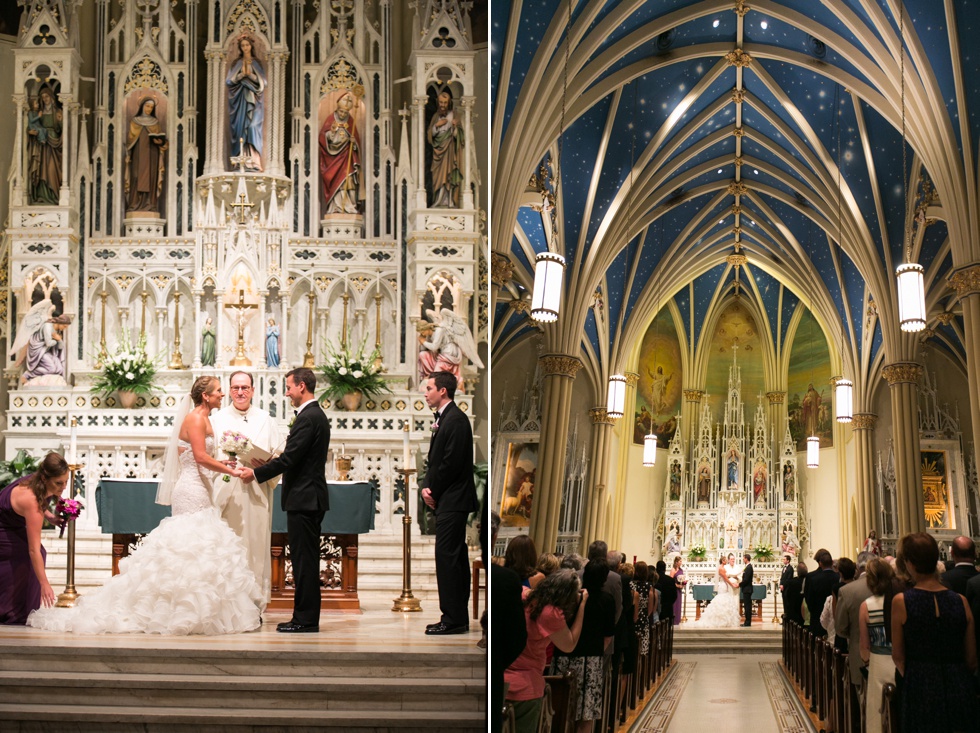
(743, 693)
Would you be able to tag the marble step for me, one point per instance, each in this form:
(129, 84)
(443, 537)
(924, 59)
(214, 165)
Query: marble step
(255, 692)
(728, 641)
(15, 718)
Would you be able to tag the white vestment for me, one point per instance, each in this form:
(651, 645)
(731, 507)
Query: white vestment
(247, 508)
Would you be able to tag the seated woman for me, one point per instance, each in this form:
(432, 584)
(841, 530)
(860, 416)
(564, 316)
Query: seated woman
(24, 584)
(546, 609)
(191, 574)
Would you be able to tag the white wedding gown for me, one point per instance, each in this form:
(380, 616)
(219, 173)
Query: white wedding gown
(190, 575)
(722, 612)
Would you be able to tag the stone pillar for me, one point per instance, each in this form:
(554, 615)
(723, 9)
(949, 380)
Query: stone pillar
(466, 197)
(689, 414)
(418, 134)
(966, 282)
(263, 294)
(612, 528)
(559, 373)
(501, 272)
(863, 425)
(198, 328)
(777, 417)
(219, 327)
(903, 380)
(596, 493)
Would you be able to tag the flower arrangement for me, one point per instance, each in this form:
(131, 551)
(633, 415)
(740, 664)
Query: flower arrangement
(130, 369)
(697, 553)
(764, 553)
(67, 510)
(234, 444)
(349, 371)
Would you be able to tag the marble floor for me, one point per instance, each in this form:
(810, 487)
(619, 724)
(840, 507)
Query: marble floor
(737, 693)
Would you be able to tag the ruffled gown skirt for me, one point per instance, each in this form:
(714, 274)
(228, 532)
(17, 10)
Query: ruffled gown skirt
(721, 613)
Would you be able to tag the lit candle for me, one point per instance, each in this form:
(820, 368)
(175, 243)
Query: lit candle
(73, 448)
(342, 451)
(406, 458)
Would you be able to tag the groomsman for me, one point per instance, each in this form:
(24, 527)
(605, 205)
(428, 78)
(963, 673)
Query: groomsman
(449, 490)
(247, 507)
(304, 496)
(745, 588)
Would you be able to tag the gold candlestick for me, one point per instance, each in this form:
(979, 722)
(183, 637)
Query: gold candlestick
(406, 602)
(775, 614)
(309, 361)
(176, 360)
(343, 331)
(377, 339)
(143, 296)
(103, 351)
(70, 595)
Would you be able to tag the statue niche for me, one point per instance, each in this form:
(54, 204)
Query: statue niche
(246, 82)
(444, 135)
(146, 145)
(340, 153)
(45, 121)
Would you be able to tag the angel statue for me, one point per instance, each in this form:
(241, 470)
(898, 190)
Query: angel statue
(41, 341)
(449, 342)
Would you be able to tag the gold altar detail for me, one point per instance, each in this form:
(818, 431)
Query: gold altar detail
(935, 490)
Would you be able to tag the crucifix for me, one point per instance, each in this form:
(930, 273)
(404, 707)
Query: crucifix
(241, 308)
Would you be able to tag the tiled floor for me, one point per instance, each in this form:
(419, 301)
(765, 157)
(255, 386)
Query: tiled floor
(738, 693)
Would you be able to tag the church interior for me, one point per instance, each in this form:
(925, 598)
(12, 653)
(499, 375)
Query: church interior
(735, 277)
(197, 187)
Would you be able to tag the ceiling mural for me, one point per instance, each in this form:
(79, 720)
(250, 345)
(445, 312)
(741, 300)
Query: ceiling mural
(735, 339)
(660, 387)
(808, 387)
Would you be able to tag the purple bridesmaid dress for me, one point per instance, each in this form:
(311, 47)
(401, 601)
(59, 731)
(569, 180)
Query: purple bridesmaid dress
(680, 598)
(20, 591)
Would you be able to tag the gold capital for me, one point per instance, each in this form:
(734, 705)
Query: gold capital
(738, 58)
(902, 372)
(737, 189)
(776, 398)
(965, 280)
(864, 421)
(501, 269)
(600, 416)
(631, 379)
(560, 365)
(738, 96)
(693, 395)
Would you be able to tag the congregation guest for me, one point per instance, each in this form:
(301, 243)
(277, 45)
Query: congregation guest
(613, 585)
(24, 585)
(668, 592)
(933, 646)
(847, 623)
(847, 570)
(510, 628)
(573, 561)
(817, 587)
(654, 579)
(973, 597)
(677, 573)
(793, 598)
(521, 556)
(589, 658)
(546, 609)
(624, 646)
(785, 577)
(964, 553)
(547, 564)
(644, 603)
(875, 648)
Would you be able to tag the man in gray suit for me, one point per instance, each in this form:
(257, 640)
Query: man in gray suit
(849, 600)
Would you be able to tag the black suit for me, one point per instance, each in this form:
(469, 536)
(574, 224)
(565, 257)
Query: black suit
(449, 478)
(957, 577)
(785, 577)
(745, 591)
(793, 600)
(509, 632)
(304, 499)
(668, 594)
(818, 586)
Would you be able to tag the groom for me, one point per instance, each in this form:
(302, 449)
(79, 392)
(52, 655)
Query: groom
(304, 496)
(745, 588)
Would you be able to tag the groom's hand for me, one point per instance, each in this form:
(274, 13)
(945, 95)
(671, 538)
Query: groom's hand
(247, 475)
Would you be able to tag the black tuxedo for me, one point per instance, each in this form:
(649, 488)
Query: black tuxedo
(818, 586)
(786, 576)
(957, 577)
(745, 591)
(304, 499)
(668, 595)
(449, 478)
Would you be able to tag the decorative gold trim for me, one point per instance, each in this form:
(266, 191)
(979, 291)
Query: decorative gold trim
(560, 365)
(738, 132)
(632, 378)
(965, 280)
(902, 372)
(600, 416)
(741, 8)
(519, 305)
(946, 317)
(738, 96)
(737, 188)
(693, 395)
(776, 398)
(738, 58)
(501, 269)
(864, 421)
(736, 260)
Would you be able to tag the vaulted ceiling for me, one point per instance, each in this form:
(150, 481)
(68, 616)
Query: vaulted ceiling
(694, 131)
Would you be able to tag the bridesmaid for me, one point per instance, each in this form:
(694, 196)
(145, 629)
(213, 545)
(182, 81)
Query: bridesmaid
(24, 585)
(677, 573)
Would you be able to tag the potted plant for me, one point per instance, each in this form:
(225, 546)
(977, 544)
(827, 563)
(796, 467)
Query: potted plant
(352, 374)
(698, 553)
(764, 553)
(129, 372)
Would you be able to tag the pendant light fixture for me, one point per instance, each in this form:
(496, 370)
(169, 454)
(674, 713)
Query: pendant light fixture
(650, 440)
(549, 267)
(813, 441)
(616, 396)
(910, 275)
(843, 387)
(650, 450)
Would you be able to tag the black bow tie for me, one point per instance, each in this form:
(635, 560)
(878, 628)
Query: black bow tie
(435, 415)
(295, 412)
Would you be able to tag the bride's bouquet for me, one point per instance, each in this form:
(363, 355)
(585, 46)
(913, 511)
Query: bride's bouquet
(234, 444)
(67, 510)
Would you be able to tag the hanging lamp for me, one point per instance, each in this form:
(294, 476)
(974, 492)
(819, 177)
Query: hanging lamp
(910, 275)
(813, 452)
(812, 442)
(616, 396)
(650, 450)
(549, 267)
(843, 387)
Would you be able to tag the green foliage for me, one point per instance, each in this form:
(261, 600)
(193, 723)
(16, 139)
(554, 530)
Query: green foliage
(698, 553)
(130, 369)
(346, 372)
(20, 465)
(764, 553)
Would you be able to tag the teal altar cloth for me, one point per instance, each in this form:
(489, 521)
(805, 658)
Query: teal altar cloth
(703, 593)
(126, 506)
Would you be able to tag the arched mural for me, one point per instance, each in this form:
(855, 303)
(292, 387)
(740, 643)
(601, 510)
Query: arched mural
(808, 400)
(736, 335)
(658, 392)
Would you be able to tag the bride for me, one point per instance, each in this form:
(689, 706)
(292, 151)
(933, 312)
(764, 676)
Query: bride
(722, 612)
(190, 575)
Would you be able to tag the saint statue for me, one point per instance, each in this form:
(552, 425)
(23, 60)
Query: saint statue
(704, 484)
(759, 485)
(445, 136)
(272, 355)
(246, 84)
(44, 124)
(675, 481)
(789, 483)
(732, 469)
(40, 345)
(209, 350)
(450, 341)
(340, 157)
(145, 160)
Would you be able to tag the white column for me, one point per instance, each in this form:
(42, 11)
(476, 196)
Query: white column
(219, 327)
(198, 325)
(418, 130)
(466, 199)
(262, 325)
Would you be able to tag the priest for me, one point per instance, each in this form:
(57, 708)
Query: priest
(247, 507)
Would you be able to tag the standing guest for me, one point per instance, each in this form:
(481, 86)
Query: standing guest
(623, 649)
(793, 599)
(973, 597)
(677, 573)
(589, 657)
(521, 556)
(818, 587)
(547, 564)
(785, 577)
(644, 601)
(668, 592)
(876, 649)
(546, 609)
(846, 621)
(247, 507)
(933, 646)
(24, 585)
(964, 558)
(598, 550)
(574, 561)
(449, 490)
(510, 626)
(302, 465)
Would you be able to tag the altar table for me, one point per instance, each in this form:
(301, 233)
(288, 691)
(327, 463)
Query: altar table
(127, 510)
(702, 595)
